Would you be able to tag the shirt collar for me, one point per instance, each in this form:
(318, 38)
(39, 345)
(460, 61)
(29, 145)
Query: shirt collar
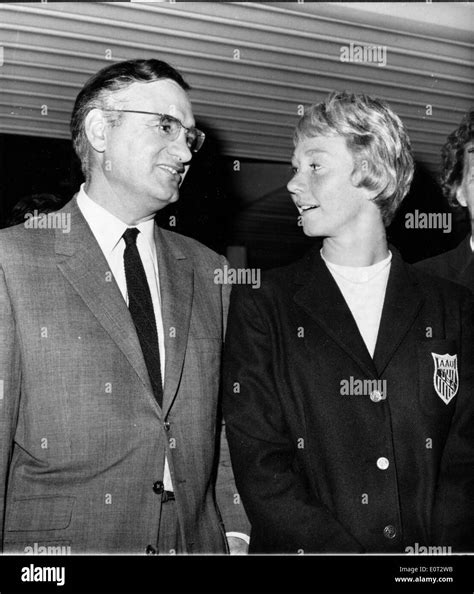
(358, 273)
(107, 228)
(472, 243)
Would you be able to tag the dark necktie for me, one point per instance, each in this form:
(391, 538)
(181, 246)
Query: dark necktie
(141, 309)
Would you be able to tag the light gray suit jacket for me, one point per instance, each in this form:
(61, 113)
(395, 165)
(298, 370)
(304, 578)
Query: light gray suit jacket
(82, 439)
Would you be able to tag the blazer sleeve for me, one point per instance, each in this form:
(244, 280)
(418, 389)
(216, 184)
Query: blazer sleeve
(228, 499)
(10, 378)
(453, 516)
(285, 515)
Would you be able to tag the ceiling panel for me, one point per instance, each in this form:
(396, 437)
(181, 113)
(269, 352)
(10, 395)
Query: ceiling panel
(251, 65)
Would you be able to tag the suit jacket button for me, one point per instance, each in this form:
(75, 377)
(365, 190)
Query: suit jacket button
(150, 550)
(376, 396)
(390, 532)
(166, 425)
(158, 487)
(383, 463)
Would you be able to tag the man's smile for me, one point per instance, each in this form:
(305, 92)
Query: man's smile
(172, 171)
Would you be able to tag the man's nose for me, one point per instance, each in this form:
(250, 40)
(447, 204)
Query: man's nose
(179, 148)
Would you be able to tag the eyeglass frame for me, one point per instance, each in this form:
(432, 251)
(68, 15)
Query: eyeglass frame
(199, 133)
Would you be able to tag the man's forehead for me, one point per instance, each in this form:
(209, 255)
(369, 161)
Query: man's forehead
(162, 87)
(164, 94)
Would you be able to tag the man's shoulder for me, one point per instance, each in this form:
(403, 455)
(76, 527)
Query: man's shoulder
(20, 240)
(433, 283)
(34, 239)
(436, 264)
(448, 263)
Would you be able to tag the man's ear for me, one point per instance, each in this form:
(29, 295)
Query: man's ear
(460, 196)
(95, 129)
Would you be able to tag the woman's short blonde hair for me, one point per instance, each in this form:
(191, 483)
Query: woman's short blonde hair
(377, 139)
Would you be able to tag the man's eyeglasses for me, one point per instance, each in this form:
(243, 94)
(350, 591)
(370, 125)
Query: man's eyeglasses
(170, 127)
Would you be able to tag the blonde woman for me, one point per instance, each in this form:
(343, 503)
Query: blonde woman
(349, 397)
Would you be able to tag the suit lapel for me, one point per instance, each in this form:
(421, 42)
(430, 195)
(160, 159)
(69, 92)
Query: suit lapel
(462, 261)
(321, 298)
(83, 264)
(401, 306)
(176, 288)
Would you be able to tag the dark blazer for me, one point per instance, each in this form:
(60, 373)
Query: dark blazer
(456, 265)
(82, 439)
(305, 455)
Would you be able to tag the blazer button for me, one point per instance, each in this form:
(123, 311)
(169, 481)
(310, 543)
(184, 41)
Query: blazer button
(390, 532)
(158, 487)
(376, 396)
(166, 425)
(383, 463)
(150, 550)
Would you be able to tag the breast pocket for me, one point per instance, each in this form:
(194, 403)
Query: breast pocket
(202, 344)
(38, 514)
(438, 362)
(201, 373)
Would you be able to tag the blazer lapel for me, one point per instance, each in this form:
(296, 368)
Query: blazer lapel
(82, 262)
(321, 298)
(176, 288)
(401, 306)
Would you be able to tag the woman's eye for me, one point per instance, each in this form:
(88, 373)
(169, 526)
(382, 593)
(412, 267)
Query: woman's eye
(313, 166)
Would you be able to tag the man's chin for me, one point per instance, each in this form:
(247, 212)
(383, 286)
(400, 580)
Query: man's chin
(164, 200)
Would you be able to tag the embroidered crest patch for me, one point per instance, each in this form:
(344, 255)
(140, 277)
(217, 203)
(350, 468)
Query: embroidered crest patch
(445, 376)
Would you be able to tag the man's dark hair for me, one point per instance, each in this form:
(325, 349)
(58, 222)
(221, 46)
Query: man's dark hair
(452, 155)
(98, 89)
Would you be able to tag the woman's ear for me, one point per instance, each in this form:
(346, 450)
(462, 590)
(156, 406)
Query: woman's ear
(359, 172)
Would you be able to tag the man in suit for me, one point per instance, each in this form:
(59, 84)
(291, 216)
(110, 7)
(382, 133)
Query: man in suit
(458, 187)
(348, 376)
(111, 340)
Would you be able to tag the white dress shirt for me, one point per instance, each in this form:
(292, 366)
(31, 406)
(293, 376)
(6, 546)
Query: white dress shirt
(108, 231)
(363, 288)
